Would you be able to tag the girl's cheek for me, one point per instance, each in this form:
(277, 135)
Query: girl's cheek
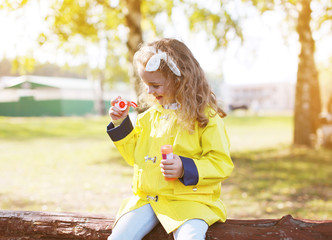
(146, 88)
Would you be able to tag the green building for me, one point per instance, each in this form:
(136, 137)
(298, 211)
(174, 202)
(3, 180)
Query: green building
(48, 96)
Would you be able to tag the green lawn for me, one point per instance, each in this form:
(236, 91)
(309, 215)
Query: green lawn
(70, 165)
(257, 133)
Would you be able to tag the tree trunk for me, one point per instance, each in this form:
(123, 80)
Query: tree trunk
(133, 20)
(101, 105)
(307, 101)
(25, 225)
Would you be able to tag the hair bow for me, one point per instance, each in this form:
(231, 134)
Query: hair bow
(154, 62)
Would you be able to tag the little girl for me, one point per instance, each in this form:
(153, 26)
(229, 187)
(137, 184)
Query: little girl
(184, 114)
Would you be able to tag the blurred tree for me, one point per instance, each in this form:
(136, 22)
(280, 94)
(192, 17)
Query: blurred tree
(86, 32)
(89, 29)
(48, 69)
(12, 4)
(325, 80)
(45, 69)
(308, 101)
(23, 65)
(308, 98)
(77, 24)
(106, 24)
(217, 18)
(5, 66)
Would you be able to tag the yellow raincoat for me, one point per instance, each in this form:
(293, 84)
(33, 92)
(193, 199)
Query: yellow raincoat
(205, 157)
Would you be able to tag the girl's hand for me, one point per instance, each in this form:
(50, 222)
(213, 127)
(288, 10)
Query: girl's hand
(115, 113)
(172, 168)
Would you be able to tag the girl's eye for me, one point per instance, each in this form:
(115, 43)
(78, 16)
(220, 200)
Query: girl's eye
(155, 86)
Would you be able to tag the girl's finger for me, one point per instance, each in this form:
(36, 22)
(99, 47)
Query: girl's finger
(166, 161)
(114, 113)
(167, 167)
(115, 100)
(168, 173)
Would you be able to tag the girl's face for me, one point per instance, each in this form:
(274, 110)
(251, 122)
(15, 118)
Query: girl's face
(155, 84)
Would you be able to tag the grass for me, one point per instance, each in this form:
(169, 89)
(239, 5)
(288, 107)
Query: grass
(259, 132)
(70, 165)
(281, 181)
(60, 164)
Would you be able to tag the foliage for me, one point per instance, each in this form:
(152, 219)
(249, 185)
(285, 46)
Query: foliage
(218, 21)
(223, 15)
(308, 98)
(13, 4)
(86, 30)
(91, 23)
(80, 23)
(101, 23)
(23, 65)
(45, 69)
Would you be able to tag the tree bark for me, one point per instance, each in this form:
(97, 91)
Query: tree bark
(24, 225)
(307, 101)
(133, 20)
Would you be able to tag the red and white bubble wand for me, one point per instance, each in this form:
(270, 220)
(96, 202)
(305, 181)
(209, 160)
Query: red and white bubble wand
(122, 104)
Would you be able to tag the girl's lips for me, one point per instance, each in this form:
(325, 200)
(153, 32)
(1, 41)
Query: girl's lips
(159, 97)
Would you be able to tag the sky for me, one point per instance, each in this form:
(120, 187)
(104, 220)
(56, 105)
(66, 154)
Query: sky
(264, 57)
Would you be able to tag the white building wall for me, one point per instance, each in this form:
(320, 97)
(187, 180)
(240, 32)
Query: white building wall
(274, 96)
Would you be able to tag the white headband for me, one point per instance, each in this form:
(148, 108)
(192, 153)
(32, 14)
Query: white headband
(154, 62)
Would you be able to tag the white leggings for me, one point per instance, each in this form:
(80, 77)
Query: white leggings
(136, 224)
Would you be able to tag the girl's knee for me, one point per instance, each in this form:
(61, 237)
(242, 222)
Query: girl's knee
(194, 229)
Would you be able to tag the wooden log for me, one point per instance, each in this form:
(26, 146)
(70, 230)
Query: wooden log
(26, 225)
(46, 225)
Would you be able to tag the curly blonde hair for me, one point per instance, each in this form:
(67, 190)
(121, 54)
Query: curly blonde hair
(191, 90)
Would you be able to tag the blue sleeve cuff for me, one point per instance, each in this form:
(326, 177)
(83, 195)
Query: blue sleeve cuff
(120, 132)
(190, 176)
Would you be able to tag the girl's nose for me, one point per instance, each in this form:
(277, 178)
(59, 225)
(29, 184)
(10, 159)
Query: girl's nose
(150, 90)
